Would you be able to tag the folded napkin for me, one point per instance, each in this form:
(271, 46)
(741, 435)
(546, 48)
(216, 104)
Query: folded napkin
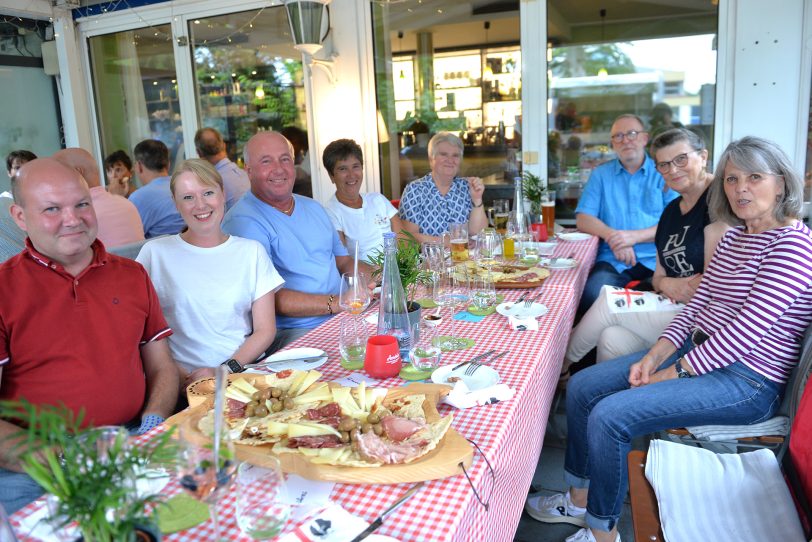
(36, 526)
(778, 425)
(329, 524)
(721, 497)
(523, 324)
(461, 397)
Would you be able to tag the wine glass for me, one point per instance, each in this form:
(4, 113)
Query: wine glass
(353, 294)
(352, 343)
(452, 290)
(483, 291)
(425, 353)
(202, 475)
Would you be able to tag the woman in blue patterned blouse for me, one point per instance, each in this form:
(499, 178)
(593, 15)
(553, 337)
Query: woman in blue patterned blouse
(431, 203)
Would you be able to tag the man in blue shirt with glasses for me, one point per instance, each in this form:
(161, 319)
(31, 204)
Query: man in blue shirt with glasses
(621, 204)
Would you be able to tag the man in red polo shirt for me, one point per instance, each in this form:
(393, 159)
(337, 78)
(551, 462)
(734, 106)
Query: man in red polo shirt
(78, 326)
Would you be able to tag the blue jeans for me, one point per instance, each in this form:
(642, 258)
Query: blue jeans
(604, 413)
(604, 274)
(17, 489)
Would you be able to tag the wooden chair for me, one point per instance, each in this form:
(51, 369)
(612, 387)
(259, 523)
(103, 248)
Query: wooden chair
(792, 397)
(645, 513)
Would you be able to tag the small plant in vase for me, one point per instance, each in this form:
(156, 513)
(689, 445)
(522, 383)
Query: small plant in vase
(91, 472)
(410, 266)
(533, 187)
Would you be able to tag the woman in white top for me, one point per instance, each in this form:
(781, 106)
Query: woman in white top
(356, 217)
(216, 290)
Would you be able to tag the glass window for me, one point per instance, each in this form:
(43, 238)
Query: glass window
(448, 77)
(600, 65)
(249, 77)
(136, 90)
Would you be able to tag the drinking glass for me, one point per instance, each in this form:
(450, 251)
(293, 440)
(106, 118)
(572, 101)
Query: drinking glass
(425, 353)
(204, 476)
(452, 291)
(433, 256)
(548, 210)
(6, 532)
(501, 209)
(353, 294)
(483, 292)
(262, 502)
(488, 244)
(458, 233)
(352, 343)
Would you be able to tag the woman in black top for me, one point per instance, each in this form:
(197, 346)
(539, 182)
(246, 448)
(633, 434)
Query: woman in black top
(685, 241)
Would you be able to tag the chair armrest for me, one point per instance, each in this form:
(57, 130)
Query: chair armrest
(645, 514)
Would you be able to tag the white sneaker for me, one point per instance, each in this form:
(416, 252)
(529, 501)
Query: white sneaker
(556, 508)
(585, 535)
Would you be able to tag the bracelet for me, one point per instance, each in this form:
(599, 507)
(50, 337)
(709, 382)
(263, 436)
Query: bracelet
(481, 203)
(330, 304)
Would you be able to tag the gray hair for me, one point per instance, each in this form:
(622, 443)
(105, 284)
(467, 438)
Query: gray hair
(445, 137)
(677, 135)
(756, 155)
(630, 116)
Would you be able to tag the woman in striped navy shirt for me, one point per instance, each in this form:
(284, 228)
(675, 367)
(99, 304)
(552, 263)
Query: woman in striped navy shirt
(724, 359)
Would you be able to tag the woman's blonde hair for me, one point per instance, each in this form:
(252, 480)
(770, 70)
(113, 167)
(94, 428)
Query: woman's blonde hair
(201, 169)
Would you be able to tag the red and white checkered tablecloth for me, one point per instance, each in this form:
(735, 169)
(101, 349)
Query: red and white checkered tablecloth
(509, 433)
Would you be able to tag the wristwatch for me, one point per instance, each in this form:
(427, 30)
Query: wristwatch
(681, 372)
(233, 365)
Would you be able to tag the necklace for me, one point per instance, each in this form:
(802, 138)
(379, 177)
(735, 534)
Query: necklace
(290, 209)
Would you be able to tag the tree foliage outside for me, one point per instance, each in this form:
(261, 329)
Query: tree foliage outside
(587, 60)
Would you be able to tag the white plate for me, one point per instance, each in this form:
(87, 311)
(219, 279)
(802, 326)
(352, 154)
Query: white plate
(484, 377)
(561, 263)
(574, 236)
(380, 538)
(517, 310)
(295, 353)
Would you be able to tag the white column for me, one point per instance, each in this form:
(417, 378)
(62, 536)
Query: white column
(533, 21)
(73, 96)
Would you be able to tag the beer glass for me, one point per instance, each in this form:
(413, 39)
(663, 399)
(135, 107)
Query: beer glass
(458, 233)
(548, 210)
(501, 208)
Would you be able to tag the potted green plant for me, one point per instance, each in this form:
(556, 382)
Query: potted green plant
(410, 266)
(93, 483)
(533, 187)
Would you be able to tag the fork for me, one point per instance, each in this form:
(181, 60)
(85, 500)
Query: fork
(473, 367)
(529, 302)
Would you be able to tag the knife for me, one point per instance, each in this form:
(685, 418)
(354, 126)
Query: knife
(379, 520)
(473, 359)
(290, 360)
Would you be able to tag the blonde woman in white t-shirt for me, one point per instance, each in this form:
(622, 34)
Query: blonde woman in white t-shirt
(216, 290)
(356, 217)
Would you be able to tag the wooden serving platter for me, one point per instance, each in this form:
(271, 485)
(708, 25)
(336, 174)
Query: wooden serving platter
(501, 285)
(443, 461)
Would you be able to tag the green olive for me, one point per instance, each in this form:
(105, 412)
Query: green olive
(249, 410)
(346, 424)
(345, 437)
(378, 429)
(289, 404)
(366, 428)
(261, 411)
(276, 392)
(266, 394)
(257, 396)
(276, 406)
(374, 418)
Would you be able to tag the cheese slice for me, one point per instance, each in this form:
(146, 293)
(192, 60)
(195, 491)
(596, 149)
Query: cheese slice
(315, 395)
(304, 429)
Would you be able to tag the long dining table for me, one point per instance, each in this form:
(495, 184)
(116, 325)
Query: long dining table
(509, 433)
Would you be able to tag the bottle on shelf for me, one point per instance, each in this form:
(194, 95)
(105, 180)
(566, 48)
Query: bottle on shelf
(393, 317)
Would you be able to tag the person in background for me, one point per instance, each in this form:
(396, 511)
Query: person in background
(724, 359)
(119, 171)
(217, 290)
(154, 199)
(357, 217)
(685, 241)
(16, 159)
(78, 326)
(297, 234)
(431, 203)
(117, 217)
(301, 159)
(622, 203)
(210, 146)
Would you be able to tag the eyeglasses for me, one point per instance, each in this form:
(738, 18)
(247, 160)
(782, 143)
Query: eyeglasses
(679, 160)
(631, 135)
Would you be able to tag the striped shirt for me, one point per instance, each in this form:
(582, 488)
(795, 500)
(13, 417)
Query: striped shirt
(755, 302)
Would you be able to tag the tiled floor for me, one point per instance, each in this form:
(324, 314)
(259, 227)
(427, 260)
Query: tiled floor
(549, 478)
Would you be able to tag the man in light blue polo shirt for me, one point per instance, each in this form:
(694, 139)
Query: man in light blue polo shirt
(621, 204)
(154, 199)
(298, 235)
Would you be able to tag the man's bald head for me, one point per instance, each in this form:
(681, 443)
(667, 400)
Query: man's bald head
(83, 162)
(36, 171)
(210, 145)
